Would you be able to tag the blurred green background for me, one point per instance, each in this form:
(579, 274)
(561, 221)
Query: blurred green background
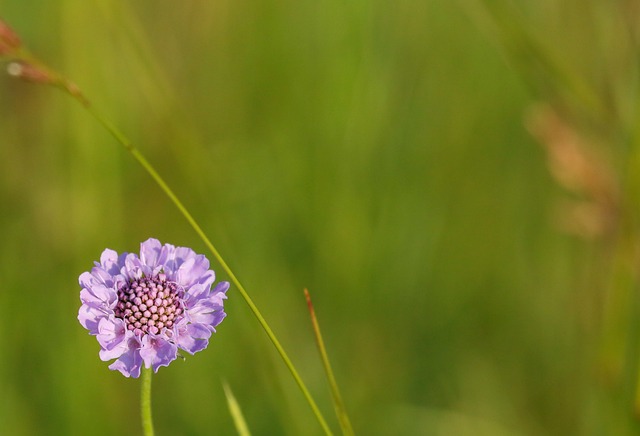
(375, 152)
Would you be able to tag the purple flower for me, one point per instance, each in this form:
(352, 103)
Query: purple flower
(141, 309)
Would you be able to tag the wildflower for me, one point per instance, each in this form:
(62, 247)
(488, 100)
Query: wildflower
(142, 309)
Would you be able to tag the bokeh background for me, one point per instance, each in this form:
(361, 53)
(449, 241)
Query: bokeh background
(454, 181)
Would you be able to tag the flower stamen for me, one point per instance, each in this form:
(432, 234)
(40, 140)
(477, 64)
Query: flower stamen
(149, 304)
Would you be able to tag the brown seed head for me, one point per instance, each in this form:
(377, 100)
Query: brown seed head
(9, 40)
(580, 167)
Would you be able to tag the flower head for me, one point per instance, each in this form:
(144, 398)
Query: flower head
(142, 309)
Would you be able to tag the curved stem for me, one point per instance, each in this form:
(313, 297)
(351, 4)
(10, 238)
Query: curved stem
(145, 402)
(176, 201)
(33, 70)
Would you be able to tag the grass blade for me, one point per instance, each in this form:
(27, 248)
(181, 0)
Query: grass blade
(341, 412)
(236, 413)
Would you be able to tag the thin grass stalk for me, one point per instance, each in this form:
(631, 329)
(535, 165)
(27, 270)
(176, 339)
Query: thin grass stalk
(338, 404)
(187, 215)
(30, 68)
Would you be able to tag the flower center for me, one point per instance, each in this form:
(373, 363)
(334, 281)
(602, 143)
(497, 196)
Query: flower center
(148, 304)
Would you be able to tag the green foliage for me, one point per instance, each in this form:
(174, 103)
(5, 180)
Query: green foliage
(374, 152)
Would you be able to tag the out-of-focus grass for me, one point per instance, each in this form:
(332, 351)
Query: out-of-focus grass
(374, 152)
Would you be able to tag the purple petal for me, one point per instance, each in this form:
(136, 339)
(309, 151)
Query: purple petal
(97, 276)
(194, 270)
(167, 259)
(206, 312)
(217, 319)
(87, 279)
(198, 331)
(99, 296)
(213, 299)
(150, 252)
(183, 254)
(108, 257)
(201, 290)
(192, 337)
(218, 294)
(195, 293)
(157, 352)
(111, 262)
(90, 317)
(130, 362)
(112, 337)
(133, 268)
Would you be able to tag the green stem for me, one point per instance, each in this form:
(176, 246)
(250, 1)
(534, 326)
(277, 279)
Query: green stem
(145, 402)
(176, 201)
